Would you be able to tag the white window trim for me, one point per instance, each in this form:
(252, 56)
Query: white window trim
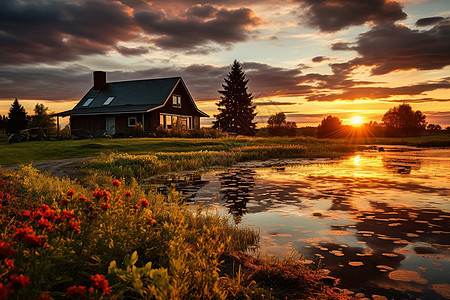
(88, 101)
(132, 118)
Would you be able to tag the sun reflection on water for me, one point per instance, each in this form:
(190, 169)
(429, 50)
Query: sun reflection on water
(357, 160)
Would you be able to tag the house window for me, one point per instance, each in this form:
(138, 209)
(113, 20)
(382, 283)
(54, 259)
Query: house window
(88, 101)
(109, 100)
(176, 100)
(169, 121)
(132, 121)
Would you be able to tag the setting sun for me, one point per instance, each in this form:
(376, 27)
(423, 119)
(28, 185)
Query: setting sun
(356, 121)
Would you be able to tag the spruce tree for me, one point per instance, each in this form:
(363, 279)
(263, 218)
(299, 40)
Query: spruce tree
(17, 118)
(236, 107)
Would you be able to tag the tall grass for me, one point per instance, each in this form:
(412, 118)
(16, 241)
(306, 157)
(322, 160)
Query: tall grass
(139, 166)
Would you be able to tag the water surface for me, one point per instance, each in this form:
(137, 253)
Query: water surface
(380, 221)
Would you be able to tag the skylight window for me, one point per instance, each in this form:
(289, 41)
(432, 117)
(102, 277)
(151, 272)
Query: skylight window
(88, 101)
(109, 100)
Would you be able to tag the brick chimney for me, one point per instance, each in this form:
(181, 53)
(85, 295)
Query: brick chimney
(99, 79)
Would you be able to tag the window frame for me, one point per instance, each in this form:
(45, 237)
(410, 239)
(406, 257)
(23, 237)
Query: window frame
(176, 101)
(135, 121)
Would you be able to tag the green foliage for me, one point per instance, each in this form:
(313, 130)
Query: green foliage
(236, 108)
(61, 246)
(138, 130)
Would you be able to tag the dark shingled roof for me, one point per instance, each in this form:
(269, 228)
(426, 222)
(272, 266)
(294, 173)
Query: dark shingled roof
(137, 96)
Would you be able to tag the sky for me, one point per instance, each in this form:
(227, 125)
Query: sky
(306, 58)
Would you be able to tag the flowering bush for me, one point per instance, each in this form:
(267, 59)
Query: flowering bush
(63, 248)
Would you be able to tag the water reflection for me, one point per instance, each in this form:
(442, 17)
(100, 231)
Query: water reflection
(380, 221)
(401, 165)
(237, 187)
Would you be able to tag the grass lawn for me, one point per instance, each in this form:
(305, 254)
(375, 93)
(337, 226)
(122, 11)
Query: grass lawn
(51, 150)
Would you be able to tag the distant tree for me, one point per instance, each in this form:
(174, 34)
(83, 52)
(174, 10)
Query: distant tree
(236, 108)
(402, 120)
(278, 126)
(17, 118)
(329, 127)
(434, 127)
(41, 118)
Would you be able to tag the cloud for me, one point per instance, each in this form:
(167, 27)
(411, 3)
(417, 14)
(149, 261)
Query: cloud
(429, 21)
(275, 103)
(421, 100)
(128, 51)
(319, 59)
(53, 31)
(199, 26)
(373, 93)
(393, 47)
(334, 15)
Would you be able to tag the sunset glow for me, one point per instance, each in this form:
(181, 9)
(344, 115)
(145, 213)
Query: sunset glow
(356, 121)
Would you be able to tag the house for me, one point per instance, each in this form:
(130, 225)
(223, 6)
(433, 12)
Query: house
(116, 107)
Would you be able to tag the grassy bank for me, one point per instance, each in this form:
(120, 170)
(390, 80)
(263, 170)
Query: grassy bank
(46, 150)
(139, 166)
(62, 240)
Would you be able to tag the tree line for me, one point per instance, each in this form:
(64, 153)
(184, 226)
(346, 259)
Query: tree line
(18, 119)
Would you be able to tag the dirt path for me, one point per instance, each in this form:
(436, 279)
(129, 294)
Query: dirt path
(59, 168)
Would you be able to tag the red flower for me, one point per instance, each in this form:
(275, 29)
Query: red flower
(44, 223)
(144, 202)
(5, 291)
(116, 183)
(68, 214)
(70, 193)
(87, 202)
(9, 263)
(27, 214)
(105, 206)
(64, 201)
(75, 226)
(76, 291)
(99, 282)
(151, 221)
(82, 198)
(32, 240)
(19, 280)
(5, 249)
(99, 194)
(44, 297)
(21, 232)
(127, 193)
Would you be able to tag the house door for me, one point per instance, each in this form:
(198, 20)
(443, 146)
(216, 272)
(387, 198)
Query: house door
(110, 125)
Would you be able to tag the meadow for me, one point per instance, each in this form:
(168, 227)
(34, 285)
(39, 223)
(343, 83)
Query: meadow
(111, 238)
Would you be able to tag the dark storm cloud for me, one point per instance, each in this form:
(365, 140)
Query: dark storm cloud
(429, 21)
(334, 15)
(54, 31)
(200, 25)
(394, 47)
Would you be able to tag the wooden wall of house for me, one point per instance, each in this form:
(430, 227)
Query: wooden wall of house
(82, 125)
(187, 107)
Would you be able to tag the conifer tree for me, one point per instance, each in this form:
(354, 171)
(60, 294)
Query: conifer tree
(236, 107)
(17, 118)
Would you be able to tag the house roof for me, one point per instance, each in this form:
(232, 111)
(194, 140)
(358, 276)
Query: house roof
(136, 96)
